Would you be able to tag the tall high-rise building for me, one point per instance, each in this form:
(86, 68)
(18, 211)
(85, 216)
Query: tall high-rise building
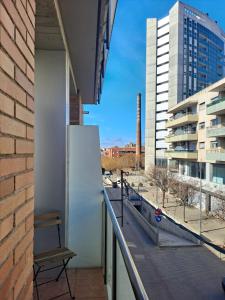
(184, 54)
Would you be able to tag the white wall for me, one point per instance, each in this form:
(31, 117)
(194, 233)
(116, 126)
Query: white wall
(84, 203)
(51, 84)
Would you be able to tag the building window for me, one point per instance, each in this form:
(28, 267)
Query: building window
(201, 125)
(202, 106)
(202, 145)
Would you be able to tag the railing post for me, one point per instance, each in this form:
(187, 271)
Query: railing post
(122, 197)
(105, 248)
(114, 267)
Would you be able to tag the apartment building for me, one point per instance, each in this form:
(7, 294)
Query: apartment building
(196, 136)
(184, 54)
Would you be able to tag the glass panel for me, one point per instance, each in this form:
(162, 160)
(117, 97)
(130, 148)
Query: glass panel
(124, 288)
(109, 257)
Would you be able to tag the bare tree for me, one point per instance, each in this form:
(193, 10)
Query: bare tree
(161, 178)
(185, 192)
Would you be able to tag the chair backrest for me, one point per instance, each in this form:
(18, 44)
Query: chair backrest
(49, 219)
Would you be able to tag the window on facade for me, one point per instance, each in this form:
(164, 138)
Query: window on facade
(202, 145)
(201, 125)
(202, 106)
(215, 122)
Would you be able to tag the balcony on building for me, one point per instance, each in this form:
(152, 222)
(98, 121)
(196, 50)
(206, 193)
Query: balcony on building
(216, 106)
(182, 135)
(72, 44)
(182, 150)
(183, 113)
(215, 154)
(217, 130)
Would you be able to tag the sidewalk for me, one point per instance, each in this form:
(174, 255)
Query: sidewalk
(211, 228)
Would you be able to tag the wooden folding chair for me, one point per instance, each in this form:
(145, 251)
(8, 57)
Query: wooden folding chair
(58, 255)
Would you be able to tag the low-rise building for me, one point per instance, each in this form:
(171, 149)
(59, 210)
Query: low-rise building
(196, 139)
(120, 151)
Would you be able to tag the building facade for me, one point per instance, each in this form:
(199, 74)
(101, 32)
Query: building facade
(120, 151)
(184, 54)
(196, 136)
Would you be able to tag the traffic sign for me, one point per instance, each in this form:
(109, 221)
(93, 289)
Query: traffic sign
(158, 218)
(158, 212)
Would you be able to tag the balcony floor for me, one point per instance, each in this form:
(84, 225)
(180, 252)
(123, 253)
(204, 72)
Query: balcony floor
(87, 284)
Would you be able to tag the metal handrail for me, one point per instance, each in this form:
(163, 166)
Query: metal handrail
(135, 280)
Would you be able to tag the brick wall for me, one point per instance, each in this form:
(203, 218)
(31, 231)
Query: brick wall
(76, 110)
(17, 23)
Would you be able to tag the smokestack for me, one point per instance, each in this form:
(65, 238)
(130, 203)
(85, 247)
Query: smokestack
(138, 131)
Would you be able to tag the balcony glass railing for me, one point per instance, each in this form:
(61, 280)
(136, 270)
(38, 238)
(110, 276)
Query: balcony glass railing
(181, 133)
(120, 273)
(216, 101)
(180, 115)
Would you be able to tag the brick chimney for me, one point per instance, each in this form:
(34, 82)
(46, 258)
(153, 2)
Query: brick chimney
(138, 131)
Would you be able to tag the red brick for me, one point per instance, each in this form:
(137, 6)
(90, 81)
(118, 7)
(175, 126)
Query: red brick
(33, 5)
(26, 292)
(11, 48)
(23, 146)
(11, 126)
(30, 132)
(12, 165)
(6, 145)
(24, 211)
(25, 18)
(6, 21)
(6, 268)
(30, 103)
(5, 288)
(23, 180)
(18, 269)
(30, 163)
(6, 104)
(30, 43)
(6, 226)
(24, 49)
(9, 204)
(21, 283)
(29, 222)
(9, 243)
(24, 82)
(6, 187)
(10, 6)
(6, 64)
(9, 86)
(30, 73)
(24, 114)
(23, 245)
(30, 14)
(30, 192)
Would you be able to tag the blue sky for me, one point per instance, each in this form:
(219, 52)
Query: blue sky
(125, 73)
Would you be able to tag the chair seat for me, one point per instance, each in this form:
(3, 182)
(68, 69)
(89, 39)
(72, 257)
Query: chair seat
(56, 255)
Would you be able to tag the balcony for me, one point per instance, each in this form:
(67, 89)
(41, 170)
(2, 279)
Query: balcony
(216, 131)
(216, 107)
(185, 136)
(182, 120)
(181, 154)
(217, 154)
(116, 278)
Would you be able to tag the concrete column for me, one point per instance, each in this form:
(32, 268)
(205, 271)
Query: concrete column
(209, 171)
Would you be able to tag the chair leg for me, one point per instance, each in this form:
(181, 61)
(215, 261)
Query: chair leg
(64, 266)
(35, 280)
(68, 283)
